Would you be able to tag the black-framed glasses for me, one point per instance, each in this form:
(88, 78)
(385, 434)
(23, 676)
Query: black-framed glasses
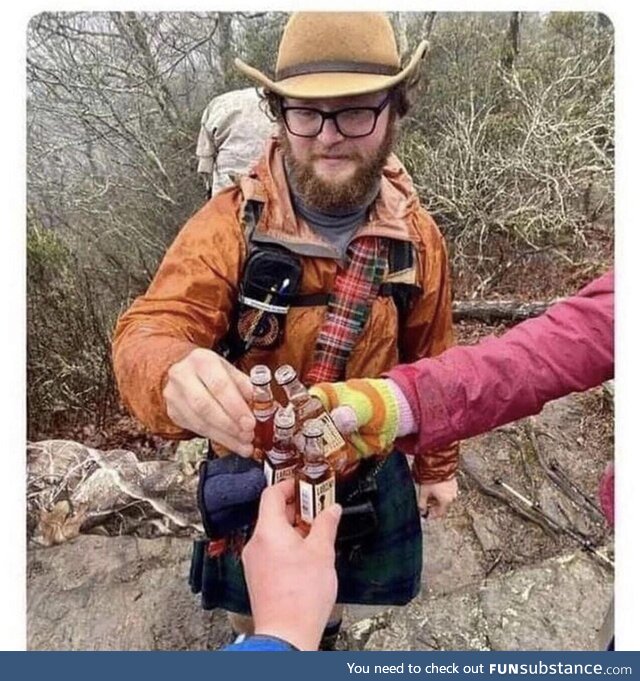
(354, 121)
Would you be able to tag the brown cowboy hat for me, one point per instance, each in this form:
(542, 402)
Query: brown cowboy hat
(336, 54)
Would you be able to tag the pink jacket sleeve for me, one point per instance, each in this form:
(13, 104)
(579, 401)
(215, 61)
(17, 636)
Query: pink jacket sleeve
(470, 390)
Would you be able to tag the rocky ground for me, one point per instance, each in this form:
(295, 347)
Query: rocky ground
(492, 579)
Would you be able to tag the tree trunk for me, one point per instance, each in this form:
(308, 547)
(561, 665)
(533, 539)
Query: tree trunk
(133, 31)
(427, 25)
(225, 48)
(511, 42)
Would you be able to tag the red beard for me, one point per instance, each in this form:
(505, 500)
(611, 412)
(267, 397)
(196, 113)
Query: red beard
(327, 196)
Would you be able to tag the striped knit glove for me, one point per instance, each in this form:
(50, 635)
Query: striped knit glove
(372, 413)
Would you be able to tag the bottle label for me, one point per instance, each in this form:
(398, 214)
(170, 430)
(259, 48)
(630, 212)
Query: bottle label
(276, 475)
(269, 473)
(315, 498)
(306, 501)
(332, 438)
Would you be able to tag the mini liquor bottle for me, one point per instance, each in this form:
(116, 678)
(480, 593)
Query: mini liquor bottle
(264, 408)
(336, 449)
(315, 479)
(283, 458)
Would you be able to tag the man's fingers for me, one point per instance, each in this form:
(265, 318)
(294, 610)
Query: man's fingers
(291, 513)
(441, 508)
(191, 392)
(440, 494)
(423, 498)
(242, 381)
(436, 507)
(288, 489)
(213, 413)
(182, 415)
(208, 396)
(325, 526)
(437, 512)
(214, 398)
(187, 418)
(216, 376)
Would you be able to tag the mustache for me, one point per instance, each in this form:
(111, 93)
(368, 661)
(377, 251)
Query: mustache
(351, 156)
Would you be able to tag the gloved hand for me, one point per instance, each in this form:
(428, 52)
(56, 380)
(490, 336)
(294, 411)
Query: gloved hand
(365, 410)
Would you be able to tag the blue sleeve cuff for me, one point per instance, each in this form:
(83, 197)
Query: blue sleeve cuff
(259, 643)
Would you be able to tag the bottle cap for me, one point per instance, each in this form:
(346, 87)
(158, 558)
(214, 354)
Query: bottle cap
(285, 374)
(285, 417)
(260, 374)
(313, 428)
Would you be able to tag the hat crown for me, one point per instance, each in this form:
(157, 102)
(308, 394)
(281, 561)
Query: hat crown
(325, 38)
(336, 54)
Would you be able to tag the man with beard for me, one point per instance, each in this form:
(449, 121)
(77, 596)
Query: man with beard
(373, 290)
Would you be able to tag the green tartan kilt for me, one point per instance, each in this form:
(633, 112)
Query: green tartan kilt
(384, 570)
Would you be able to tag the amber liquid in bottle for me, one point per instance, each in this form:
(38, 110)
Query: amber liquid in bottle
(315, 479)
(264, 408)
(336, 449)
(282, 460)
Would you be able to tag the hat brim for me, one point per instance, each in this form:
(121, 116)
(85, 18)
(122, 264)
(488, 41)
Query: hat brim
(332, 84)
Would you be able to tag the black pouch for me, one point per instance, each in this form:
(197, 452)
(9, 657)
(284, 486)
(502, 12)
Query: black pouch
(357, 524)
(359, 520)
(270, 281)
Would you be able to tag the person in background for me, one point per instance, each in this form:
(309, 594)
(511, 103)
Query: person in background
(233, 131)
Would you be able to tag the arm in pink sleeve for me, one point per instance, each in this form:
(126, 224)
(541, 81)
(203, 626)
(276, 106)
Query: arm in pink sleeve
(466, 391)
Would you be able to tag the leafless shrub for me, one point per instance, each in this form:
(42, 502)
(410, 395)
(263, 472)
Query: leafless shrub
(114, 103)
(516, 160)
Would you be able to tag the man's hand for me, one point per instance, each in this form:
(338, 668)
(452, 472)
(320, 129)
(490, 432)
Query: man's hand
(210, 397)
(292, 580)
(434, 498)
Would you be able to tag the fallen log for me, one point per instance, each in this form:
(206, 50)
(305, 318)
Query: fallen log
(498, 310)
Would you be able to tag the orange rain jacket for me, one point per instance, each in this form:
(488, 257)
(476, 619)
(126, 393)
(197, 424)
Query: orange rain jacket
(190, 300)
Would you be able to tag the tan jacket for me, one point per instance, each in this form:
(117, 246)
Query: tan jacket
(190, 300)
(233, 133)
